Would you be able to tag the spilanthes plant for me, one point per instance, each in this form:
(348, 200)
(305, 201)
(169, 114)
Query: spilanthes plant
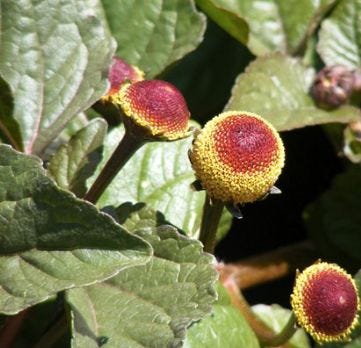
(143, 149)
(153, 110)
(325, 301)
(237, 158)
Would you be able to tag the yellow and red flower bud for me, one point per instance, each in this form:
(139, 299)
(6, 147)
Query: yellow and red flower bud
(325, 301)
(237, 157)
(157, 106)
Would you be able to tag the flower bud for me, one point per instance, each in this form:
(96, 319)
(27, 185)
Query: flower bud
(237, 157)
(119, 72)
(334, 86)
(156, 107)
(325, 302)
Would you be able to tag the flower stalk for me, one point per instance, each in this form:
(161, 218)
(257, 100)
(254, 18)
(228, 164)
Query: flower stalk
(124, 151)
(212, 212)
(265, 335)
(284, 335)
(152, 110)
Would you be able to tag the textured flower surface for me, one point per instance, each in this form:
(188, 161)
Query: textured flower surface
(325, 302)
(156, 105)
(119, 72)
(237, 156)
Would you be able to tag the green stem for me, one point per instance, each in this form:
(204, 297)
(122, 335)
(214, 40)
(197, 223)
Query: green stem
(212, 212)
(282, 337)
(125, 150)
(265, 335)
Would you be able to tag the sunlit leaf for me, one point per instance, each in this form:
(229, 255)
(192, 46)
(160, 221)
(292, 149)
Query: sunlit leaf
(276, 87)
(50, 240)
(54, 56)
(151, 305)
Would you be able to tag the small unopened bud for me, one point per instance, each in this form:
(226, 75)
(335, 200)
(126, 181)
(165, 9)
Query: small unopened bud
(335, 85)
(325, 301)
(120, 72)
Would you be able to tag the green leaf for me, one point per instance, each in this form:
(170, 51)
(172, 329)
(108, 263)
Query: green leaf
(276, 87)
(276, 317)
(208, 93)
(160, 175)
(226, 15)
(137, 216)
(154, 34)
(351, 145)
(225, 328)
(74, 162)
(271, 25)
(76, 124)
(151, 305)
(54, 56)
(50, 240)
(340, 35)
(334, 220)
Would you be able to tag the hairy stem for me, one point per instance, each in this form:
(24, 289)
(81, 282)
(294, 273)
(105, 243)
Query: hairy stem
(212, 212)
(125, 150)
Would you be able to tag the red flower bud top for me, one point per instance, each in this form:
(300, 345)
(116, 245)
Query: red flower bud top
(119, 72)
(325, 302)
(157, 106)
(237, 157)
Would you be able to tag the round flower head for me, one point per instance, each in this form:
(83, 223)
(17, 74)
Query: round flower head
(237, 157)
(157, 106)
(325, 302)
(119, 72)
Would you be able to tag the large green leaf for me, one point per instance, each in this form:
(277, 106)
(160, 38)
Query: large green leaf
(51, 240)
(276, 317)
(271, 25)
(151, 305)
(54, 56)
(226, 14)
(75, 161)
(334, 219)
(276, 87)
(160, 175)
(154, 34)
(226, 328)
(207, 94)
(340, 35)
